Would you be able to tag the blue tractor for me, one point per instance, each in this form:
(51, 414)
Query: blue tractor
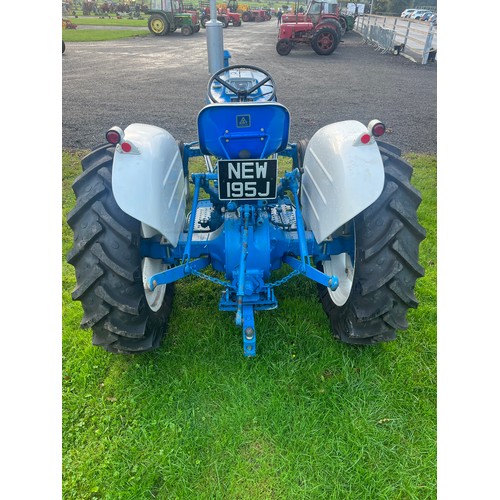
(344, 215)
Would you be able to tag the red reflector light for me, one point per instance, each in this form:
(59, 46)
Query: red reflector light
(378, 130)
(126, 147)
(113, 137)
(365, 138)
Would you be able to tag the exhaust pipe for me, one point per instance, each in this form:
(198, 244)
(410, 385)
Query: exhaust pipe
(215, 42)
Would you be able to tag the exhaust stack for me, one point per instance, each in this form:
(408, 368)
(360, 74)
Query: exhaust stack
(215, 42)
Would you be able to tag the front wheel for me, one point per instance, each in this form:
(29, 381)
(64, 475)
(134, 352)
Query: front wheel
(377, 274)
(284, 46)
(187, 30)
(124, 317)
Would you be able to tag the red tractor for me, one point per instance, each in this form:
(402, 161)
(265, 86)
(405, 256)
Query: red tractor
(315, 10)
(205, 15)
(68, 25)
(318, 27)
(256, 15)
(230, 11)
(225, 15)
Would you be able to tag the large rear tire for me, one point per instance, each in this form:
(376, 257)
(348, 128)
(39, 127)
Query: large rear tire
(343, 24)
(377, 289)
(158, 25)
(106, 256)
(332, 23)
(223, 20)
(324, 41)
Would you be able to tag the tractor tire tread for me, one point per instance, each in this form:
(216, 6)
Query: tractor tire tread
(315, 41)
(107, 261)
(388, 235)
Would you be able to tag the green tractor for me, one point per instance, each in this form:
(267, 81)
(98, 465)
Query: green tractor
(166, 16)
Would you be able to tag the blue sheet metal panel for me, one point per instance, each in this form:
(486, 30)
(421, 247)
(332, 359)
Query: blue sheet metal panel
(243, 130)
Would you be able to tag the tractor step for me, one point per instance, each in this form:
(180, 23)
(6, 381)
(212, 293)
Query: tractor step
(284, 216)
(203, 215)
(206, 218)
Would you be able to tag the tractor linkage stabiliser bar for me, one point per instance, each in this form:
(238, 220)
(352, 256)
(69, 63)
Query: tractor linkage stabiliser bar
(246, 232)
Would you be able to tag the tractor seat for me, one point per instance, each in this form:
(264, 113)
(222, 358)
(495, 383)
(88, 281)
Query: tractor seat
(243, 130)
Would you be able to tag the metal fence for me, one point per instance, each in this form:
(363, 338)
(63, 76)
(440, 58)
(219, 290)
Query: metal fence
(416, 40)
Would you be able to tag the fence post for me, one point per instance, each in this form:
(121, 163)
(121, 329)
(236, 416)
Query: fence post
(428, 45)
(407, 32)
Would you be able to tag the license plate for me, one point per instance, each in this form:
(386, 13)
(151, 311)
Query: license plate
(247, 179)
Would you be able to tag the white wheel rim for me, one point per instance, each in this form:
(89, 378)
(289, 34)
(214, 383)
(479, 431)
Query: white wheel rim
(342, 267)
(149, 267)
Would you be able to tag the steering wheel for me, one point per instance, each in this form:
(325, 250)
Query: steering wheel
(241, 85)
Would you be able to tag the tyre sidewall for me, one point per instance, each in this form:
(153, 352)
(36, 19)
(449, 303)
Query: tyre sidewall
(386, 263)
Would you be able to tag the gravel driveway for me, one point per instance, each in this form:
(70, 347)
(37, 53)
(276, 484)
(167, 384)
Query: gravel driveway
(162, 81)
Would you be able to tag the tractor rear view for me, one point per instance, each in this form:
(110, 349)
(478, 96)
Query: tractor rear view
(346, 22)
(231, 11)
(340, 211)
(205, 15)
(166, 16)
(255, 15)
(224, 15)
(318, 27)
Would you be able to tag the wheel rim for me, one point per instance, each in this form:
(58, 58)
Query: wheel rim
(149, 267)
(157, 25)
(284, 47)
(325, 41)
(342, 266)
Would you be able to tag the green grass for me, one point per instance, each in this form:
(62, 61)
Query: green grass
(96, 21)
(307, 418)
(83, 34)
(100, 35)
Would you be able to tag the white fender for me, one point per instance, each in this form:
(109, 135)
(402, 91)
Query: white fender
(148, 181)
(342, 176)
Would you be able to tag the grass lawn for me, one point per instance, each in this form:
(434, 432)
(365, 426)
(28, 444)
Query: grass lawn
(113, 21)
(82, 35)
(307, 418)
(85, 34)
